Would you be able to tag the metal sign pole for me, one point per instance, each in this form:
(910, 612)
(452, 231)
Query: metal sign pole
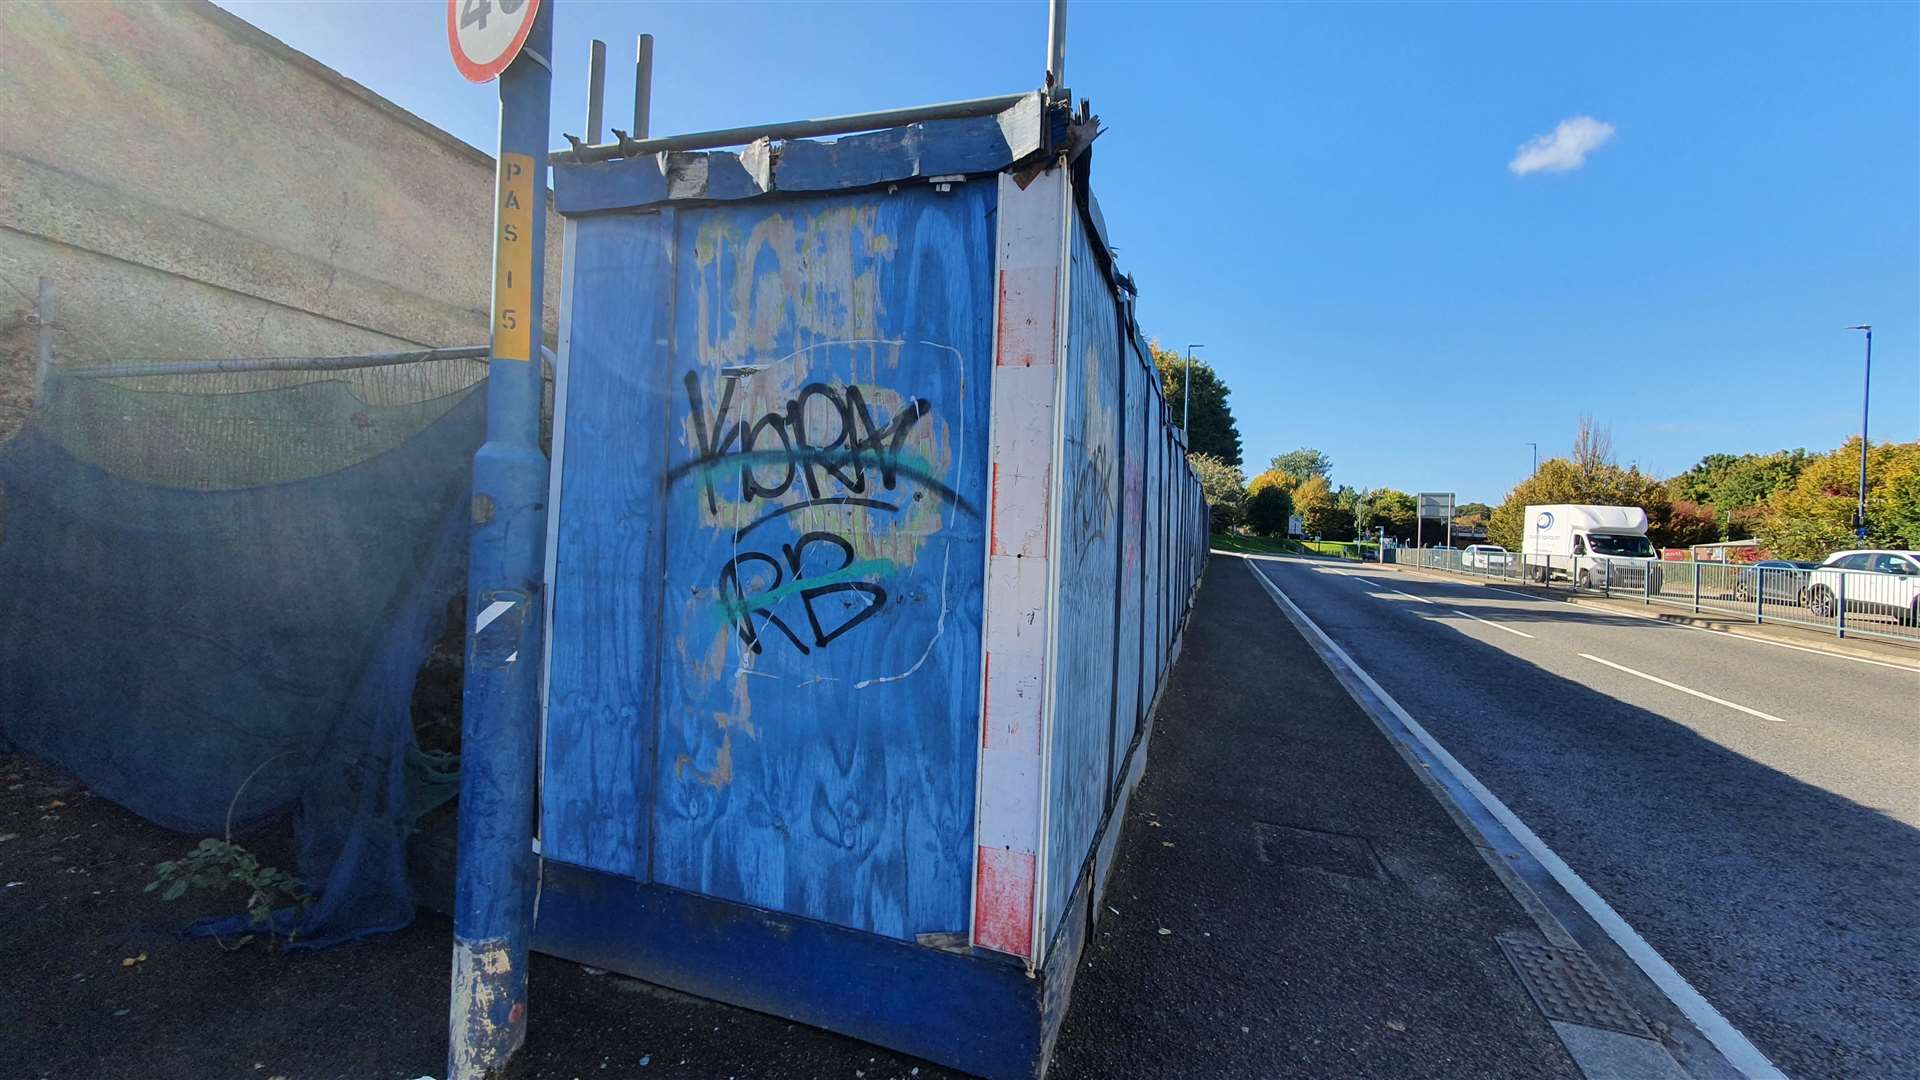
(494, 885)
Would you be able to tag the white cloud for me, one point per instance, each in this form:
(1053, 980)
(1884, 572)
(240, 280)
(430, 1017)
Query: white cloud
(1564, 149)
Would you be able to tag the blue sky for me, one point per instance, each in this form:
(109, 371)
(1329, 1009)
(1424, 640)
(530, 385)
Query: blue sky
(1321, 194)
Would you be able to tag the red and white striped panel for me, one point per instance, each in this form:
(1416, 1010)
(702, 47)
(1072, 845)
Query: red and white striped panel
(1027, 349)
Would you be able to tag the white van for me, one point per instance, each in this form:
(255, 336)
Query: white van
(1593, 546)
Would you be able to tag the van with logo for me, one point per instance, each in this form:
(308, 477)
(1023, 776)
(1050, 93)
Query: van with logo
(1595, 547)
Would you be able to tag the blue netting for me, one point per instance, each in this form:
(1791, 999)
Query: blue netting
(166, 643)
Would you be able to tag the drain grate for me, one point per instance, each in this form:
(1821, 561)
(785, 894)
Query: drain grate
(1310, 849)
(1568, 986)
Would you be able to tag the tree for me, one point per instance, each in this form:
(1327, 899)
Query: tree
(1735, 486)
(1224, 487)
(1683, 523)
(1268, 510)
(1302, 463)
(1389, 509)
(1272, 478)
(1598, 483)
(1320, 513)
(1213, 431)
(1814, 517)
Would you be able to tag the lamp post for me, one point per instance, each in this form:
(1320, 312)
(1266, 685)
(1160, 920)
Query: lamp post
(1186, 396)
(1866, 386)
(1536, 458)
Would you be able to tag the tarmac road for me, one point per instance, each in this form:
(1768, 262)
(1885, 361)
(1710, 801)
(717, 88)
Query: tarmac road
(1752, 810)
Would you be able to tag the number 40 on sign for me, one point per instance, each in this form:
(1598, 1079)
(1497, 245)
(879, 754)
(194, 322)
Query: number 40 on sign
(486, 35)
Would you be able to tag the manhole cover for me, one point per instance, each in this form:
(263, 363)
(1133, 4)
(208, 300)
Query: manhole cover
(1309, 849)
(1568, 986)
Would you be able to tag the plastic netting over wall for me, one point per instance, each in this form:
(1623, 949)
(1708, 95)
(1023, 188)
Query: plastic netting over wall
(217, 590)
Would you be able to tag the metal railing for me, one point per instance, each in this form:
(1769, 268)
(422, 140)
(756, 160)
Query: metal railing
(1845, 603)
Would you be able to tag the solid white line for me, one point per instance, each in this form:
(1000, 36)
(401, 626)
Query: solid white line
(1739, 1052)
(1682, 689)
(1495, 625)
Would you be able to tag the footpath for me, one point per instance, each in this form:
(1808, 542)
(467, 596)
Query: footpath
(1293, 898)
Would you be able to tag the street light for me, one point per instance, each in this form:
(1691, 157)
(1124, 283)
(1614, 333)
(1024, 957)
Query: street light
(1186, 396)
(1536, 458)
(1866, 385)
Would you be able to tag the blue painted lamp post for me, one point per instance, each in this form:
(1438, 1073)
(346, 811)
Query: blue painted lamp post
(493, 898)
(1866, 387)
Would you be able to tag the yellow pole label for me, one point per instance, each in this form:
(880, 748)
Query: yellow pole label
(513, 314)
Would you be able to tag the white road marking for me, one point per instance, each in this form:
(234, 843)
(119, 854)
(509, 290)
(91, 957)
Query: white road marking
(1739, 1052)
(1357, 577)
(1682, 689)
(1410, 596)
(1702, 629)
(1493, 624)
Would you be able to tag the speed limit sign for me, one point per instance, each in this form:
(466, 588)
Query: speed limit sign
(485, 35)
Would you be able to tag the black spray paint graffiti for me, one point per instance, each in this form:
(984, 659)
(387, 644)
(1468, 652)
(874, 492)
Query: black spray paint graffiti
(743, 606)
(791, 444)
(826, 445)
(1092, 502)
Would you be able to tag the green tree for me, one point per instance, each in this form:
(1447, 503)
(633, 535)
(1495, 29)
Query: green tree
(1733, 486)
(1214, 431)
(1303, 463)
(1268, 510)
(1224, 487)
(1385, 508)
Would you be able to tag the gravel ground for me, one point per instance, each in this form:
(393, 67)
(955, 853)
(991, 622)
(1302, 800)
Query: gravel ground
(1289, 901)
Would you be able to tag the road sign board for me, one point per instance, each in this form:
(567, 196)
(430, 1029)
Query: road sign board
(485, 35)
(1436, 504)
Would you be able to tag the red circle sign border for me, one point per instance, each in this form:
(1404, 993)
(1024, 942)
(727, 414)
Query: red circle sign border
(485, 73)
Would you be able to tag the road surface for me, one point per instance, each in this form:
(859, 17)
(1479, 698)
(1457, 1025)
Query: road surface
(1752, 810)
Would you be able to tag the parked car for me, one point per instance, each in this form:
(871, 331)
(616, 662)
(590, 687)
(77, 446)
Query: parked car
(1781, 581)
(1486, 557)
(1876, 582)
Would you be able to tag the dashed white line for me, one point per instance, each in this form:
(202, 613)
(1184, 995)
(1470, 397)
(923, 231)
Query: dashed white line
(1689, 626)
(1410, 596)
(1493, 624)
(1682, 689)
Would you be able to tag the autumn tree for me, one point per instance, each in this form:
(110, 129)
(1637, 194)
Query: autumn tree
(1320, 513)
(1814, 516)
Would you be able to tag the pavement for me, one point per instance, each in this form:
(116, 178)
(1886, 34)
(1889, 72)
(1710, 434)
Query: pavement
(1295, 895)
(1749, 809)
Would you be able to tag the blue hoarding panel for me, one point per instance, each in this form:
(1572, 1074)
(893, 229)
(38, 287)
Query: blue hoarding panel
(597, 777)
(1089, 563)
(1133, 688)
(823, 495)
